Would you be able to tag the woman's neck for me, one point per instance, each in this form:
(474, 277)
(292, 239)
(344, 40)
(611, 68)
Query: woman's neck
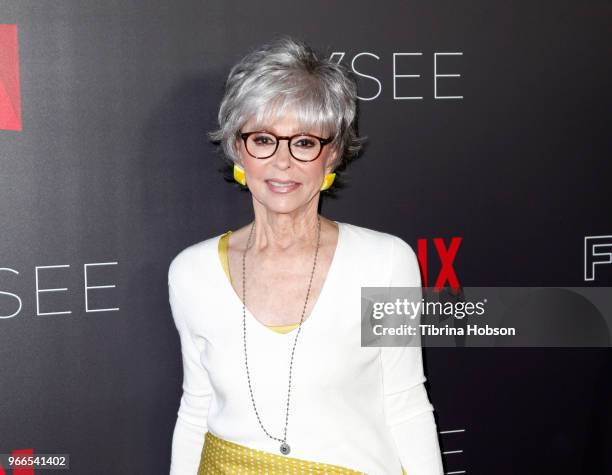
(283, 231)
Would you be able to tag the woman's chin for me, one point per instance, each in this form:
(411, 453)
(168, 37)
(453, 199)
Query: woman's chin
(282, 203)
(286, 206)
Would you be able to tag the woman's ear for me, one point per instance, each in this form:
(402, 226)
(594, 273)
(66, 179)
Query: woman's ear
(238, 152)
(332, 162)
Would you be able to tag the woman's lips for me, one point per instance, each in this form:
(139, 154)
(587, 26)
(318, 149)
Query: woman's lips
(281, 186)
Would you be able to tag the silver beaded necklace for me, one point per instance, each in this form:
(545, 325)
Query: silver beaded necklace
(284, 447)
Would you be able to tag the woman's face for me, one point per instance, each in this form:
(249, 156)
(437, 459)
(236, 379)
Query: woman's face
(281, 183)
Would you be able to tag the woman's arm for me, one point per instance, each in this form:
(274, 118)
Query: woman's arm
(191, 425)
(410, 414)
(408, 410)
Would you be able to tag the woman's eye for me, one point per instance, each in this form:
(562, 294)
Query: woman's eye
(307, 143)
(263, 140)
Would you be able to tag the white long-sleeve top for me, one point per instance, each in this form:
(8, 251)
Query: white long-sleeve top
(363, 408)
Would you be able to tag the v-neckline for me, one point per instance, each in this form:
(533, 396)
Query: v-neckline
(331, 272)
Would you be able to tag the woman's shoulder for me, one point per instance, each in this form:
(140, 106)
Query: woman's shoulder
(389, 259)
(374, 240)
(380, 258)
(194, 257)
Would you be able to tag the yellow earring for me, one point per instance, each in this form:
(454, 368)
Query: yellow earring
(327, 182)
(239, 175)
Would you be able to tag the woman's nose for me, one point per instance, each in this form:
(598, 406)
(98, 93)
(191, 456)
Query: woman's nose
(282, 157)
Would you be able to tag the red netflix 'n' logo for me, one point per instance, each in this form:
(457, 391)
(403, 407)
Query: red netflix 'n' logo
(22, 470)
(447, 257)
(10, 90)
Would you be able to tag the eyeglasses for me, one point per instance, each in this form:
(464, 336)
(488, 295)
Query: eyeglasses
(303, 147)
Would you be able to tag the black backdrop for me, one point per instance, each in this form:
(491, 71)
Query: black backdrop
(111, 173)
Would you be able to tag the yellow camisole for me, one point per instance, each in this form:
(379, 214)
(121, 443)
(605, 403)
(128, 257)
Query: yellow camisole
(222, 457)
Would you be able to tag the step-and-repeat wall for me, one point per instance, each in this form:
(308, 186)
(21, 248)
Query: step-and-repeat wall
(489, 149)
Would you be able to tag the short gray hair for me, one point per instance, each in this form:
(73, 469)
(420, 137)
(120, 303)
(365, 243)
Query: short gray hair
(288, 73)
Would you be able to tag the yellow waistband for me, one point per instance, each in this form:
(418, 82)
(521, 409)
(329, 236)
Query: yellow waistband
(221, 457)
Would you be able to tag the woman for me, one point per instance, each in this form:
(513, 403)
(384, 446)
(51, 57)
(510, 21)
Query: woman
(275, 378)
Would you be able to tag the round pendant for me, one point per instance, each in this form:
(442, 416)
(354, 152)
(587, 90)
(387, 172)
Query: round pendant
(284, 448)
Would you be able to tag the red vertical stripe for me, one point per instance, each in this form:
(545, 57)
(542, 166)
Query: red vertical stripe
(422, 256)
(10, 91)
